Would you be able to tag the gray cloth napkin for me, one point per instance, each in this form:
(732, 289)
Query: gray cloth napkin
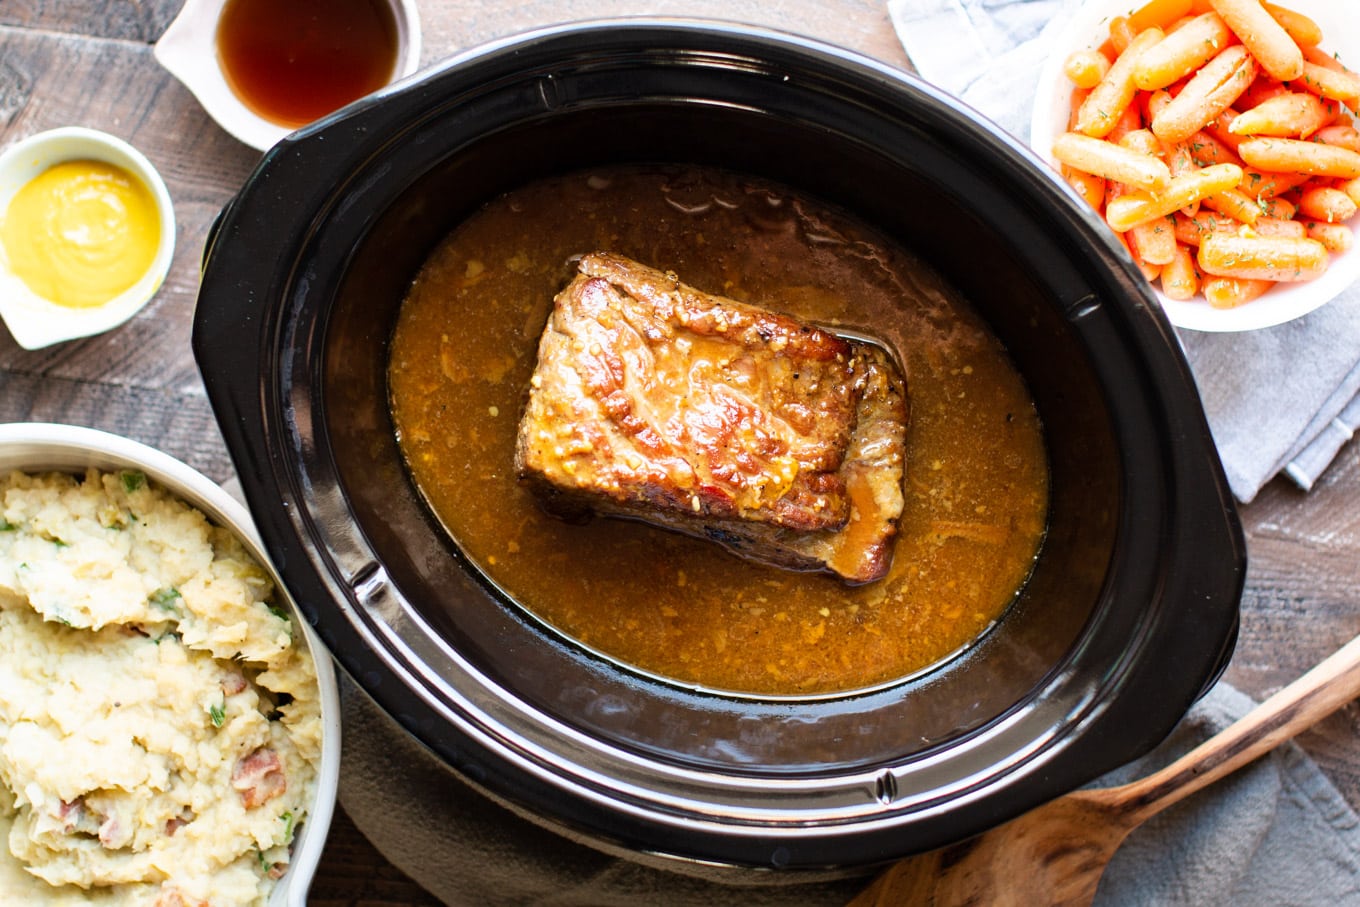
(1275, 833)
(469, 851)
(1277, 399)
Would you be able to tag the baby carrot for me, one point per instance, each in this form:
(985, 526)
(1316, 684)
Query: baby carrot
(1336, 237)
(1180, 279)
(1340, 134)
(1179, 156)
(1302, 29)
(1218, 129)
(1182, 52)
(1107, 101)
(1230, 292)
(1158, 14)
(1330, 83)
(1156, 240)
(1085, 68)
(1209, 92)
(1180, 159)
(1090, 187)
(1078, 95)
(1285, 155)
(1235, 204)
(1191, 229)
(1267, 40)
(1279, 226)
(1276, 206)
(1129, 120)
(1290, 115)
(1142, 141)
(1260, 184)
(1182, 21)
(1263, 89)
(1326, 204)
(1319, 57)
(1352, 188)
(1121, 33)
(1111, 161)
(1206, 149)
(1150, 271)
(1261, 257)
(1140, 207)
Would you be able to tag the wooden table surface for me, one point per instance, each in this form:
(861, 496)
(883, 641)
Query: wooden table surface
(89, 63)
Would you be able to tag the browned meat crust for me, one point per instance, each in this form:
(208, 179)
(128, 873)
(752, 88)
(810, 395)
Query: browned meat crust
(778, 439)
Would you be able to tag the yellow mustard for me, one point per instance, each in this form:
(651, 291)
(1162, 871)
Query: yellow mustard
(81, 233)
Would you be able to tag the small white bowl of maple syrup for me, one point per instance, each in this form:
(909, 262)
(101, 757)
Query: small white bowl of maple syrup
(262, 68)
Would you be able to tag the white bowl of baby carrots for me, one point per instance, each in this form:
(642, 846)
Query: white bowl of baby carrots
(1218, 139)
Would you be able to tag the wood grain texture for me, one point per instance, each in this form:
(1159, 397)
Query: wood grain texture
(125, 20)
(1302, 600)
(860, 25)
(353, 874)
(89, 62)
(67, 81)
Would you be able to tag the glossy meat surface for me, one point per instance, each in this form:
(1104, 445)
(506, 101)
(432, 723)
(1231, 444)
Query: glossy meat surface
(775, 438)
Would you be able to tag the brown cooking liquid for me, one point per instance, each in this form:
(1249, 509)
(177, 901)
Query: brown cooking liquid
(976, 475)
(293, 61)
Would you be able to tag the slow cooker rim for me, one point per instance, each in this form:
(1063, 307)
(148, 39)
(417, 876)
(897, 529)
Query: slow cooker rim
(358, 661)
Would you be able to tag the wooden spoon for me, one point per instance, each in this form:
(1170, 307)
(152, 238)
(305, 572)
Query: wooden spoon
(1056, 854)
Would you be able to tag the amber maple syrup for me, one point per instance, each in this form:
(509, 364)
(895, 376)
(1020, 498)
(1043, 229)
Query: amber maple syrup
(296, 60)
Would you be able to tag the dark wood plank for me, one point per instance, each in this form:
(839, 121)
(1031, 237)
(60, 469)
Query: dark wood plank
(175, 420)
(353, 874)
(128, 20)
(860, 25)
(64, 80)
(1302, 600)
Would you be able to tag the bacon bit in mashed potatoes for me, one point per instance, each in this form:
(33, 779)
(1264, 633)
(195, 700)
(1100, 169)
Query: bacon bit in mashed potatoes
(159, 726)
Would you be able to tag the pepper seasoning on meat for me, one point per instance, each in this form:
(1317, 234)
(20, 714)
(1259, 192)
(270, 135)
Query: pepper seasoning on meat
(777, 439)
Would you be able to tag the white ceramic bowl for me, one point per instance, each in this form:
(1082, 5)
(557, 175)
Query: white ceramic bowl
(34, 321)
(188, 50)
(1087, 26)
(44, 447)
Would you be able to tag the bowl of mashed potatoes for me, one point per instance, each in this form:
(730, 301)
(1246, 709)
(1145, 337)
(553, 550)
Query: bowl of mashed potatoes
(169, 726)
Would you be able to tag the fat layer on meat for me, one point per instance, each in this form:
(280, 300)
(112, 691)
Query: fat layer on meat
(778, 439)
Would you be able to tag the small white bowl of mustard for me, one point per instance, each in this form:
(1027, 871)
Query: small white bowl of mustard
(87, 234)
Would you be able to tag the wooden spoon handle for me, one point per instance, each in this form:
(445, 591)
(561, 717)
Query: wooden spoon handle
(1324, 689)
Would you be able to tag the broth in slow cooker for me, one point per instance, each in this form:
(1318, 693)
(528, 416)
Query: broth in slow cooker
(976, 485)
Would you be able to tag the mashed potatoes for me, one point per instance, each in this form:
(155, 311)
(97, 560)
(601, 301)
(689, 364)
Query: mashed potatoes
(159, 724)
